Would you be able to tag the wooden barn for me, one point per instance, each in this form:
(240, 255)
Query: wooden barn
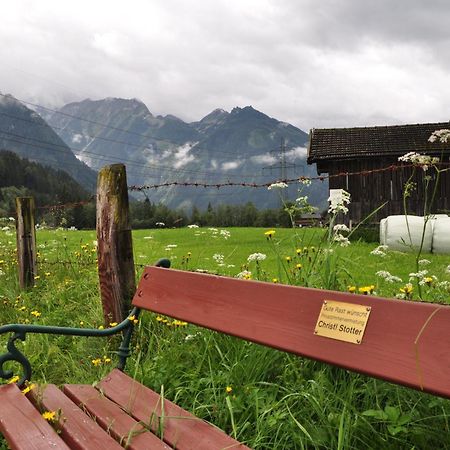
(339, 152)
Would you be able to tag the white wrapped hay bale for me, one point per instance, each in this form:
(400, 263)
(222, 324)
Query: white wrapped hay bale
(441, 235)
(383, 223)
(398, 238)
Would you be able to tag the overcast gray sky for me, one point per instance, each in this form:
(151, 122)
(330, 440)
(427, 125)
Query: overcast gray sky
(312, 63)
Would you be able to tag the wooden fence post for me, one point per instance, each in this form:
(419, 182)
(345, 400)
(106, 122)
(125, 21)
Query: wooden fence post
(26, 241)
(115, 247)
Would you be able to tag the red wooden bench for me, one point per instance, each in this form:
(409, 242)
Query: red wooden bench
(404, 342)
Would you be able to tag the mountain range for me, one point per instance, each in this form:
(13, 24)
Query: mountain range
(241, 146)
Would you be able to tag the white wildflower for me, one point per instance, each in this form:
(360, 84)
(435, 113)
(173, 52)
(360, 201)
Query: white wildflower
(341, 240)
(169, 247)
(245, 274)
(424, 262)
(160, 224)
(218, 258)
(11, 219)
(225, 234)
(443, 136)
(305, 181)
(256, 257)
(193, 226)
(419, 275)
(443, 284)
(388, 277)
(338, 199)
(341, 227)
(278, 185)
(424, 161)
(380, 251)
(5, 228)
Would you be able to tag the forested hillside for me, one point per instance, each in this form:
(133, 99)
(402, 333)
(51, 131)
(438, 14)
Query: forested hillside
(20, 177)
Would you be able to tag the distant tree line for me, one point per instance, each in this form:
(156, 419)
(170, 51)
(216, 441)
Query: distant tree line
(20, 177)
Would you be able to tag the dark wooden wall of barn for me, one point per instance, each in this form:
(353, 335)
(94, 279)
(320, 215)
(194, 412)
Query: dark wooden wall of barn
(369, 191)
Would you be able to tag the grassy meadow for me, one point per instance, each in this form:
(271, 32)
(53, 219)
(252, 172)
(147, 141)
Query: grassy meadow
(265, 398)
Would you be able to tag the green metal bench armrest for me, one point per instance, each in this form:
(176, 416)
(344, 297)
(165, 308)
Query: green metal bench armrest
(20, 331)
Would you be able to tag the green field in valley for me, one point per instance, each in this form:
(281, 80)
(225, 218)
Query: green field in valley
(267, 399)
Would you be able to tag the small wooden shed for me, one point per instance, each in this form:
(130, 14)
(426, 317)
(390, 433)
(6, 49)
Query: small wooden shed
(339, 152)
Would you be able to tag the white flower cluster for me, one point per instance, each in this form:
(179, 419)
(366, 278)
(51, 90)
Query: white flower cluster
(419, 275)
(193, 226)
(380, 251)
(341, 227)
(277, 185)
(225, 234)
(424, 161)
(341, 240)
(245, 274)
(424, 262)
(443, 136)
(256, 257)
(169, 247)
(388, 277)
(427, 280)
(443, 285)
(338, 199)
(160, 224)
(219, 259)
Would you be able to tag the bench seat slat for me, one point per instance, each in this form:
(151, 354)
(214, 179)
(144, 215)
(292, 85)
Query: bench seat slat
(18, 414)
(111, 417)
(181, 429)
(78, 430)
(405, 342)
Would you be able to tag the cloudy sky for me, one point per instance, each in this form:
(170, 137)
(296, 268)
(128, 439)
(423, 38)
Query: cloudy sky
(326, 63)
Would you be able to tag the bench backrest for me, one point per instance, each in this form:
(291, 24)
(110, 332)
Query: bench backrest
(405, 342)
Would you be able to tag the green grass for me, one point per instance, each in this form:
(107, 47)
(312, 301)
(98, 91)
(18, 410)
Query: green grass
(277, 401)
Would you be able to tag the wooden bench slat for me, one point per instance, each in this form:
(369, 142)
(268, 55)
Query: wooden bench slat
(111, 417)
(18, 414)
(405, 342)
(78, 430)
(181, 429)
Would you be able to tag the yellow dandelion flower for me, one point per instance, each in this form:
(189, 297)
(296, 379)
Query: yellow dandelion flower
(96, 362)
(28, 388)
(299, 251)
(35, 313)
(298, 266)
(36, 277)
(50, 416)
(14, 379)
(351, 289)
(81, 323)
(269, 234)
(101, 327)
(288, 259)
(228, 389)
(160, 319)
(47, 274)
(113, 324)
(106, 359)
(274, 280)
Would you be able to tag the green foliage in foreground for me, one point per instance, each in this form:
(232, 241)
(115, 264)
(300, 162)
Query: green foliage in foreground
(274, 400)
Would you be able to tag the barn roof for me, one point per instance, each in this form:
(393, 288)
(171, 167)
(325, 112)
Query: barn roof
(343, 143)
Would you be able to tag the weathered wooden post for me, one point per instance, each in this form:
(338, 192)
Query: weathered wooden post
(26, 241)
(115, 247)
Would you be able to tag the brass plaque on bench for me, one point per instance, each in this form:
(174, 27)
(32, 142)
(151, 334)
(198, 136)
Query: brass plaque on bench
(342, 321)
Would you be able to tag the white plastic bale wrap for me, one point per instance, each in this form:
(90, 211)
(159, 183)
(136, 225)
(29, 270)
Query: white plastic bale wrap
(383, 223)
(441, 235)
(398, 237)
